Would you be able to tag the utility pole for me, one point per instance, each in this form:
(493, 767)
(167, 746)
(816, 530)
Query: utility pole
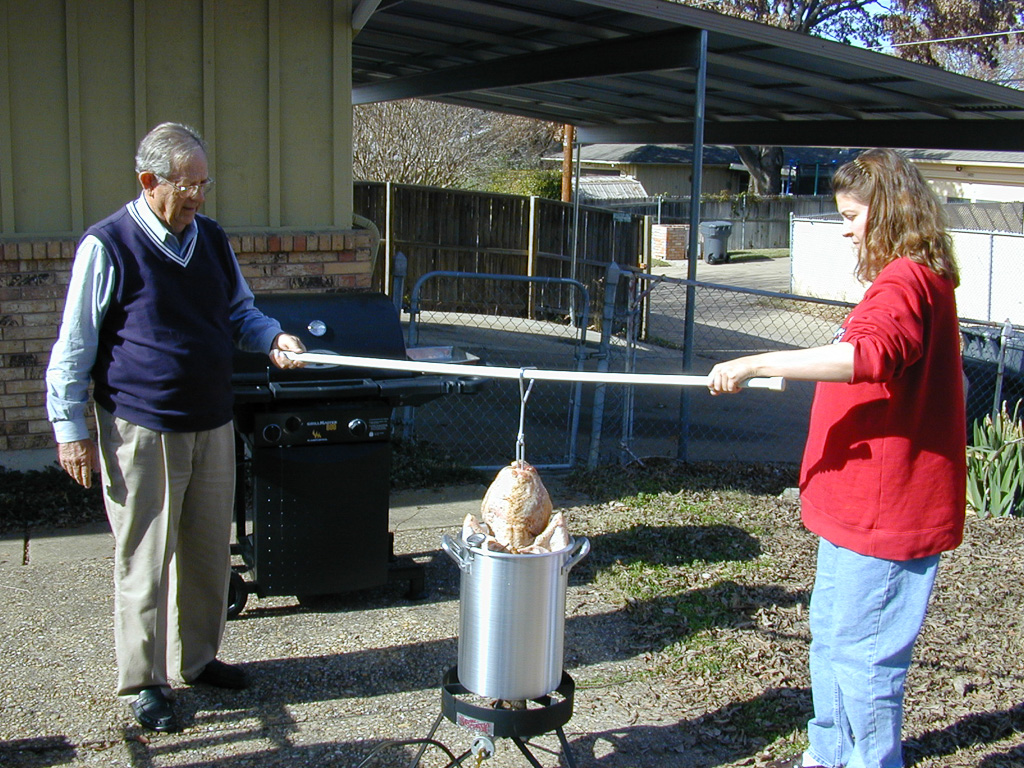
(568, 139)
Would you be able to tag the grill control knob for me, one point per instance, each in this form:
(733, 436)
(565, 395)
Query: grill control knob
(358, 427)
(317, 328)
(292, 423)
(272, 433)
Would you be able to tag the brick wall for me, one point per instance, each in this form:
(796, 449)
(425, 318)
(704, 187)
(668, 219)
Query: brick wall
(669, 241)
(33, 283)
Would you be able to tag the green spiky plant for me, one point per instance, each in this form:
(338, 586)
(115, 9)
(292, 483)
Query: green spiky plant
(995, 464)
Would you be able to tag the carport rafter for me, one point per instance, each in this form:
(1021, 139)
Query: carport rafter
(921, 133)
(720, 79)
(827, 50)
(540, 22)
(721, 86)
(668, 50)
(858, 92)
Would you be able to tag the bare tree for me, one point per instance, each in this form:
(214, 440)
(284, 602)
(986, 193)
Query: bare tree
(427, 142)
(1008, 69)
(958, 34)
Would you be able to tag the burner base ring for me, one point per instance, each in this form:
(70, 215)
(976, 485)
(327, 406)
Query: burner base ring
(554, 711)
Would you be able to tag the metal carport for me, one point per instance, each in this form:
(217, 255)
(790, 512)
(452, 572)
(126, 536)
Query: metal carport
(631, 71)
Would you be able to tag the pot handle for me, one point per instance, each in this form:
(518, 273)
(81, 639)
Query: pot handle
(455, 551)
(579, 551)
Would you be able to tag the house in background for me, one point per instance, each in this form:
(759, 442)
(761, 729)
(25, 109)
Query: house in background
(957, 176)
(654, 170)
(961, 176)
(665, 170)
(620, 171)
(624, 171)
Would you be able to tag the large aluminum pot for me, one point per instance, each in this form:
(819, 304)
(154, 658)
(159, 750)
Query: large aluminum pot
(512, 618)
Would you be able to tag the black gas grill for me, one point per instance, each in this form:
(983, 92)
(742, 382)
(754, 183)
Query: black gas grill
(314, 452)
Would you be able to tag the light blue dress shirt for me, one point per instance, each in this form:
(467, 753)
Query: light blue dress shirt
(89, 294)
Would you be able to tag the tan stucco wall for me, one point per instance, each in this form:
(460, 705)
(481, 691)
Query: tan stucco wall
(267, 82)
(674, 180)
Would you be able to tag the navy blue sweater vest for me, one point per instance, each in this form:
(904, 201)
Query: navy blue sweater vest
(165, 344)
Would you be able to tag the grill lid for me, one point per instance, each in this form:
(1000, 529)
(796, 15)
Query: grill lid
(360, 324)
(354, 324)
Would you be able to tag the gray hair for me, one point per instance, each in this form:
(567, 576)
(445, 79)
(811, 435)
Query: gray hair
(167, 147)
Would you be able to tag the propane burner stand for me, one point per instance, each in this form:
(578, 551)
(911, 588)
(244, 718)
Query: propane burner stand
(551, 712)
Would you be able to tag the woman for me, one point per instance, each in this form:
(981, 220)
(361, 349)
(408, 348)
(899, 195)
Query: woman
(884, 470)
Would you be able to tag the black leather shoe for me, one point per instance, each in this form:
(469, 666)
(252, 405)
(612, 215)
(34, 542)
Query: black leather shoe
(221, 675)
(154, 712)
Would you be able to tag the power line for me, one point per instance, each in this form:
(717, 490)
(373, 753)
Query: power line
(961, 37)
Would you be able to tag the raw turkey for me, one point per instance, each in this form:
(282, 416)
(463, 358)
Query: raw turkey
(515, 515)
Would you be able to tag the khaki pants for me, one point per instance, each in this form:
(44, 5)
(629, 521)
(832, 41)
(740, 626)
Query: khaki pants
(169, 498)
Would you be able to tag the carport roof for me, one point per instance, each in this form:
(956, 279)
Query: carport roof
(627, 71)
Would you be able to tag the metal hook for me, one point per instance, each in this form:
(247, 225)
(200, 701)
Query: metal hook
(524, 394)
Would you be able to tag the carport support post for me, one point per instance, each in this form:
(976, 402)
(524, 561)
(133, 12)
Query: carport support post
(696, 183)
(611, 287)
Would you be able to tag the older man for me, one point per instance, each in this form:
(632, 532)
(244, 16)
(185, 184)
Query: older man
(155, 306)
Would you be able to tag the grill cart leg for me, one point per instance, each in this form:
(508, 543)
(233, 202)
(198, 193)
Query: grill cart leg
(238, 594)
(401, 568)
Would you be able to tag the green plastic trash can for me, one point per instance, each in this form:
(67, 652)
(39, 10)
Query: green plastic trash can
(716, 241)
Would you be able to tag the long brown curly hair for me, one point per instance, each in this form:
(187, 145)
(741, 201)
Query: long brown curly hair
(905, 217)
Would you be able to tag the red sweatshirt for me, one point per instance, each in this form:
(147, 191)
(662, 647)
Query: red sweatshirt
(884, 468)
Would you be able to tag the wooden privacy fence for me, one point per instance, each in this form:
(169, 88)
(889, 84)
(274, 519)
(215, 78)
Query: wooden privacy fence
(445, 230)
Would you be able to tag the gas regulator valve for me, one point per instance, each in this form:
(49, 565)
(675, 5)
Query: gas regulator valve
(482, 749)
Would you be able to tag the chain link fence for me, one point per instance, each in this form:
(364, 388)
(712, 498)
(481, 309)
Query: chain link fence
(645, 328)
(688, 423)
(994, 367)
(483, 430)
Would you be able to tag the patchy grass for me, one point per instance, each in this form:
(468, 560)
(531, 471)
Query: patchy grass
(833, 313)
(690, 615)
(419, 464)
(46, 498)
(713, 570)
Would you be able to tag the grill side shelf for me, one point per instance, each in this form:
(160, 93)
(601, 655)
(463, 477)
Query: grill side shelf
(324, 389)
(422, 389)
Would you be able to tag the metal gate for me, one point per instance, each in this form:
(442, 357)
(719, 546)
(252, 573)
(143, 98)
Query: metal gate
(548, 331)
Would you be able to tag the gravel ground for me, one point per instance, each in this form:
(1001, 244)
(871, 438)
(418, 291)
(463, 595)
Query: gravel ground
(708, 670)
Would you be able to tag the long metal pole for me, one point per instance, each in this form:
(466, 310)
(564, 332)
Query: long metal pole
(691, 267)
(576, 213)
(776, 383)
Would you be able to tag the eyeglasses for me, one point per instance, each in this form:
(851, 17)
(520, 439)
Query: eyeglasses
(187, 189)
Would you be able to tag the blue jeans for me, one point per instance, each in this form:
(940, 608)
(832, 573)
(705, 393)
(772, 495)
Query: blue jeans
(866, 614)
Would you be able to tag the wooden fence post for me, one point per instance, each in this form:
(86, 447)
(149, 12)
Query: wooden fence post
(531, 256)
